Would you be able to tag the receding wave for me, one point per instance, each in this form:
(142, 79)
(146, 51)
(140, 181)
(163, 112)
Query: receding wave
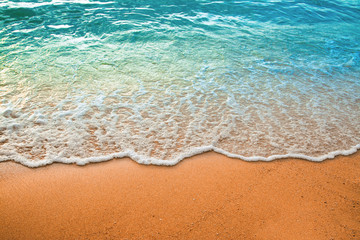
(88, 81)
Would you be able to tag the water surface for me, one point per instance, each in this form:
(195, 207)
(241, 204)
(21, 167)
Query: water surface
(158, 81)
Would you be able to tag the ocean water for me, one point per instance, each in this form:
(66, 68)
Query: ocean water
(158, 81)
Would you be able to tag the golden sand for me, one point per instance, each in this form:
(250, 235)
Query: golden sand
(208, 196)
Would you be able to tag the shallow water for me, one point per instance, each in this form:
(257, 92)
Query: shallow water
(158, 81)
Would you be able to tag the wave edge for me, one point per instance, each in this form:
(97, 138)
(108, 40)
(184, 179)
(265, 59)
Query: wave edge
(160, 162)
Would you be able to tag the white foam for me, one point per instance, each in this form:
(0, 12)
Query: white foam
(60, 26)
(151, 130)
(7, 156)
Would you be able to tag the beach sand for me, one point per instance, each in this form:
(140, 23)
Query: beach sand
(208, 196)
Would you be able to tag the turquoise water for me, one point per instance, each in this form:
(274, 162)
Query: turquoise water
(158, 81)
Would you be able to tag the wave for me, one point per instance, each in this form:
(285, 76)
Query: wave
(193, 152)
(158, 82)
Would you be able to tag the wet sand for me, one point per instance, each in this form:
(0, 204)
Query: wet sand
(208, 196)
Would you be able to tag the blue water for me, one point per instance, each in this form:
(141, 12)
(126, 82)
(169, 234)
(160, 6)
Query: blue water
(158, 81)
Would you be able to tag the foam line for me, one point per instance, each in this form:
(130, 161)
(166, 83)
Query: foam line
(153, 161)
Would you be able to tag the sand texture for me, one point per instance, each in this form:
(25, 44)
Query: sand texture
(208, 196)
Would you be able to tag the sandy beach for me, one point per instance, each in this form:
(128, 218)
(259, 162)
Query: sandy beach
(208, 196)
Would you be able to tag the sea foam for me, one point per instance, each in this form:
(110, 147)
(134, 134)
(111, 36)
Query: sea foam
(193, 152)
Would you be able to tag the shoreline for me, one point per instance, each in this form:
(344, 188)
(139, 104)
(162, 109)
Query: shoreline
(190, 154)
(208, 196)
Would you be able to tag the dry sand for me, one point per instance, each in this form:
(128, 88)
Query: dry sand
(208, 196)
